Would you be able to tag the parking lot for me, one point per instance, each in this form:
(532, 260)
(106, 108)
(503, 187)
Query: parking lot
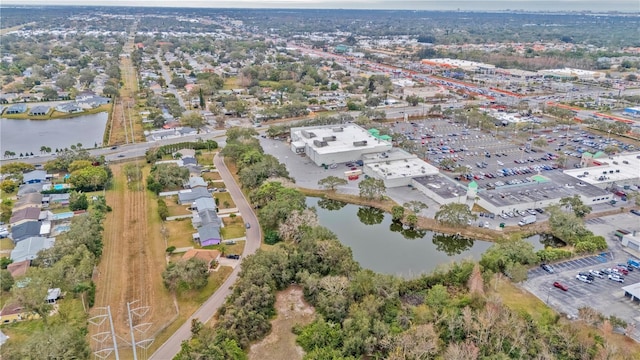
(604, 295)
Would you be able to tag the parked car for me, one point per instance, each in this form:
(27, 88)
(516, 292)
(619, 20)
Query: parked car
(587, 275)
(583, 279)
(625, 266)
(633, 263)
(233, 256)
(247, 225)
(547, 268)
(596, 273)
(622, 270)
(561, 286)
(617, 278)
(635, 212)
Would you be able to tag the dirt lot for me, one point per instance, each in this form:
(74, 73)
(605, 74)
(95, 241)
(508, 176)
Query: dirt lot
(133, 259)
(281, 342)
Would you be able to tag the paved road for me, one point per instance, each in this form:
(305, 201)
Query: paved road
(254, 237)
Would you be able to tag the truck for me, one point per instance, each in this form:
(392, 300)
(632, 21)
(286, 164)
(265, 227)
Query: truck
(620, 233)
(527, 220)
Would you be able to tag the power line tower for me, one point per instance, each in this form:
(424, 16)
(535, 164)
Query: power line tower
(142, 328)
(105, 339)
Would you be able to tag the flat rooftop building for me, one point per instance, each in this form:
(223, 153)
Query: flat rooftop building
(333, 144)
(396, 167)
(623, 169)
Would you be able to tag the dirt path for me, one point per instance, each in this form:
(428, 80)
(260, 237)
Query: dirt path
(132, 261)
(281, 342)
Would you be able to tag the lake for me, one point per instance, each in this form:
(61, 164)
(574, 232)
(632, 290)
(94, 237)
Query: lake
(387, 248)
(21, 136)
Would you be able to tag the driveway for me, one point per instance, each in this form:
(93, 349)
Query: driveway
(171, 347)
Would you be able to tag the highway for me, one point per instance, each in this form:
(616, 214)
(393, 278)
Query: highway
(254, 237)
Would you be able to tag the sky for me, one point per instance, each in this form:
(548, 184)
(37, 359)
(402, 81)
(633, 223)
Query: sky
(472, 5)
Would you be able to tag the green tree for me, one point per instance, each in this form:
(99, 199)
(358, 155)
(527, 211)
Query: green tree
(332, 182)
(397, 213)
(415, 206)
(8, 186)
(192, 274)
(411, 221)
(78, 201)
(6, 280)
(192, 119)
(575, 204)
(454, 215)
(89, 178)
(371, 188)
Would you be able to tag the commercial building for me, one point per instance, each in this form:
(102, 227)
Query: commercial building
(396, 167)
(334, 144)
(632, 241)
(610, 172)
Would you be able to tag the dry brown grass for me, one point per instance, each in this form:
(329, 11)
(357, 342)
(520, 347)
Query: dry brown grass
(133, 259)
(281, 342)
(175, 208)
(233, 228)
(225, 200)
(125, 112)
(211, 176)
(180, 233)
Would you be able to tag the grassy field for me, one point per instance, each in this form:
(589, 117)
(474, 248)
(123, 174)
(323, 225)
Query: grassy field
(6, 244)
(225, 201)
(211, 176)
(230, 83)
(206, 158)
(179, 233)
(175, 208)
(233, 228)
(58, 114)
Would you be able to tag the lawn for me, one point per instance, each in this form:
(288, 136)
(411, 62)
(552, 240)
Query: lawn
(175, 208)
(233, 228)
(211, 176)
(236, 248)
(179, 233)
(206, 158)
(224, 200)
(6, 244)
(230, 83)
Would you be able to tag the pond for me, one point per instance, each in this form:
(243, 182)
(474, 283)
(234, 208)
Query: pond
(25, 136)
(382, 246)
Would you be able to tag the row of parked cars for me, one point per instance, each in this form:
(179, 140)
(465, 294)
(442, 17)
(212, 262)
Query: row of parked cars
(615, 273)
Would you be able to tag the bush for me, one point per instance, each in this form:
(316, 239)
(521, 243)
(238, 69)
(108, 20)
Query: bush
(552, 254)
(163, 210)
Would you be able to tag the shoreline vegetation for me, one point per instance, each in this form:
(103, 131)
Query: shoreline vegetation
(55, 115)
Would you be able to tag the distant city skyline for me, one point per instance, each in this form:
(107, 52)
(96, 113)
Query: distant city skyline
(469, 5)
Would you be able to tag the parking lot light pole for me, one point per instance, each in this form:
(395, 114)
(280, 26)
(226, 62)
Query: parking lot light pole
(548, 294)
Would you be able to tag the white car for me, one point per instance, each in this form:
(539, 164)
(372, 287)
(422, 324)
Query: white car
(617, 278)
(596, 273)
(583, 279)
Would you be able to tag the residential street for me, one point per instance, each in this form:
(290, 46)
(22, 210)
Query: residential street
(254, 237)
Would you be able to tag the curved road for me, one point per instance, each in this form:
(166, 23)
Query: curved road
(171, 347)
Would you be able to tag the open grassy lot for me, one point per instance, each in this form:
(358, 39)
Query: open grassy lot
(205, 158)
(230, 83)
(224, 200)
(211, 176)
(179, 233)
(176, 209)
(233, 228)
(6, 244)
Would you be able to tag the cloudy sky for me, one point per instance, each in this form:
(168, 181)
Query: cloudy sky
(536, 5)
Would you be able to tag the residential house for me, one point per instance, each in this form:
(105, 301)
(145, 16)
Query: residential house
(189, 160)
(12, 312)
(19, 269)
(16, 109)
(30, 189)
(185, 130)
(29, 248)
(24, 215)
(28, 200)
(40, 110)
(197, 181)
(208, 235)
(35, 177)
(191, 195)
(50, 199)
(201, 204)
(24, 231)
(210, 257)
(204, 217)
(69, 108)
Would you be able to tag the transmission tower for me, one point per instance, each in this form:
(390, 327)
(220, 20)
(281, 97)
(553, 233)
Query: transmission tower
(106, 339)
(138, 312)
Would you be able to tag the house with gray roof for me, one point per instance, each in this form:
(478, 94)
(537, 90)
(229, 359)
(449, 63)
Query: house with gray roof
(208, 203)
(191, 195)
(29, 189)
(208, 235)
(40, 110)
(24, 231)
(197, 181)
(29, 248)
(205, 217)
(28, 200)
(69, 108)
(35, 177)
(189, 160)
(16, 109)
(62, 199)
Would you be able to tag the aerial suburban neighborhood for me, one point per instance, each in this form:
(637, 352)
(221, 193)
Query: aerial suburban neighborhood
(319, 184)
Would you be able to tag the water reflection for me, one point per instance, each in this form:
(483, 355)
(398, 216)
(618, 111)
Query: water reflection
(408, 233)
(370, 216)
(451, 244)
(331, 205)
